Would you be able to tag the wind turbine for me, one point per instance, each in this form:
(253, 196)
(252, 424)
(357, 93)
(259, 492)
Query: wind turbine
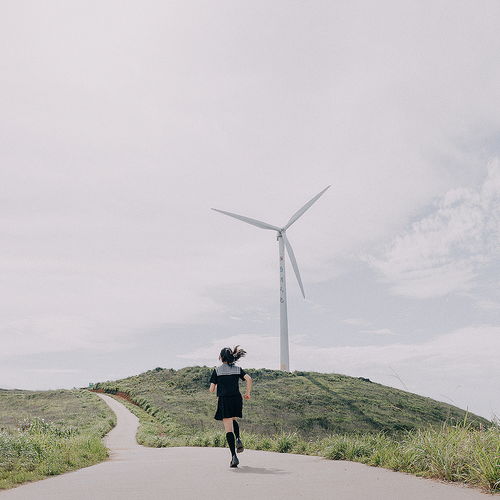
(282, 243)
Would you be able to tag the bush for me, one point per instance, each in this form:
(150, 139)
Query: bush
(284, 443)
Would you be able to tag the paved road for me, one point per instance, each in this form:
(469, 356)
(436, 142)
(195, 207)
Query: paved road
(136, 472)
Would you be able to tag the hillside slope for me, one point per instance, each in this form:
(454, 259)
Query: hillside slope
(44, 433)
(308, 403)
(70, 408)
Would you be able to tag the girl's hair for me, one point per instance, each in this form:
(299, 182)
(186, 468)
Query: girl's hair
(230, 356)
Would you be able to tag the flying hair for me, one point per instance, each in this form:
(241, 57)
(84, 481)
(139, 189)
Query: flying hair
(230, 356)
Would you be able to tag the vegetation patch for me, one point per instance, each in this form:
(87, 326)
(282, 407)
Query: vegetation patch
(44, 433)
(308, 403)
(333, 416)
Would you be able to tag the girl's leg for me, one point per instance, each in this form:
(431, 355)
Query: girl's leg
(228, 424)
(228, 427)
(236, 428)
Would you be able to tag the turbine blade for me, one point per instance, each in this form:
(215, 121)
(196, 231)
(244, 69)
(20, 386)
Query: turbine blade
(301, 211)
(289, 249)
(254, 222)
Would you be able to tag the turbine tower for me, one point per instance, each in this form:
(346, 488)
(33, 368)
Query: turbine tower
(282, 244)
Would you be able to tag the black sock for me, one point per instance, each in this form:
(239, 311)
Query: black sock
(230, 442)
(236, 428)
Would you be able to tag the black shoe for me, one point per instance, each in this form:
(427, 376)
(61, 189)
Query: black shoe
(234, 461)
(239, 446)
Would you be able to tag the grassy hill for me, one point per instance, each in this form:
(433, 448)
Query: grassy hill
(43, 433)
(333, 416)
(73, 409)
(328, 415)
(308, 403)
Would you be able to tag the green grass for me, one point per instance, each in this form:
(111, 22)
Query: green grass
(334, 416)
(458, 452)
(50, 432)
(308, 403)
(452, 453)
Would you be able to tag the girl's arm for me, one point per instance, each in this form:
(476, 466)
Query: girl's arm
(213, 387)
(249, 381)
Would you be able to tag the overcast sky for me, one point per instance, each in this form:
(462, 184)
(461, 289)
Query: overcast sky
(122, 123)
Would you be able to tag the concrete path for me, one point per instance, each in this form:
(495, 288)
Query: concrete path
(136, 472)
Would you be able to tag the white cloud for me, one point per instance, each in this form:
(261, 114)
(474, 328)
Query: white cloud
(356, 322)
(460, 367)
(380, 331)
(488, 305)
(46, 334)
(52, 370)
(360, 322)
(445, 252)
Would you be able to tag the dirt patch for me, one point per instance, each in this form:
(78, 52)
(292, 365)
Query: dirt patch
(124, 395)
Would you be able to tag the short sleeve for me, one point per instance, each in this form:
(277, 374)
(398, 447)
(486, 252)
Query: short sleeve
(242, 374)
(213, 378)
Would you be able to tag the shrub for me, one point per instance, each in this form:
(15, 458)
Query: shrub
(284, 443)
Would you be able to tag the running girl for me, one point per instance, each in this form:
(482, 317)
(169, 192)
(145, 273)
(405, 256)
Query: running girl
(225, 379)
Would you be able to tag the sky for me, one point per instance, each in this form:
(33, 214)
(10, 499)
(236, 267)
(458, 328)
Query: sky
(122, 123)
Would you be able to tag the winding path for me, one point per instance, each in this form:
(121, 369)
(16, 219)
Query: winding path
(135, 472)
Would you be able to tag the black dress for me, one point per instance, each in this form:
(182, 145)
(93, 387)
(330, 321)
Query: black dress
(230, 402)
